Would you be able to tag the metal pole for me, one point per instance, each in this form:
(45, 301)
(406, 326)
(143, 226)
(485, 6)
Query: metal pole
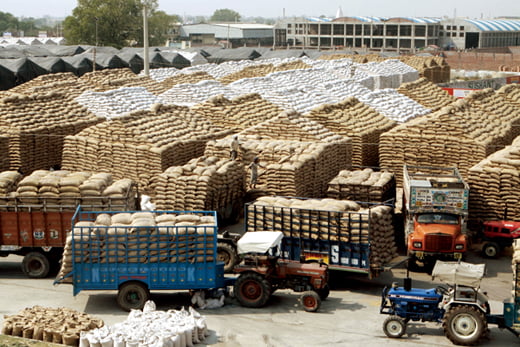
(145, 40)
(95, 47)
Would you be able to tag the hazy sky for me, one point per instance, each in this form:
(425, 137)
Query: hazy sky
(275, 8)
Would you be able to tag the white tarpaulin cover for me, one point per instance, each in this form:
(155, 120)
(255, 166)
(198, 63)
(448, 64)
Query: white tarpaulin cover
(461, 273)
(258, 241)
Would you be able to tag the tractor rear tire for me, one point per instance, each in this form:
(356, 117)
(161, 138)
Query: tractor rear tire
(311, 301)
(36, 265)
(228, 255)
(491, 250)
(394, 327)
(464, 325)
(252, 290)
(132, 295)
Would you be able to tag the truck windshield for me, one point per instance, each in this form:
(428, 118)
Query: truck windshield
(438, 218)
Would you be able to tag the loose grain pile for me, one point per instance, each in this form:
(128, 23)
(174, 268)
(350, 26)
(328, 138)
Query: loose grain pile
(53, 325)
(364, 185)
(327, 219)
(426, 93)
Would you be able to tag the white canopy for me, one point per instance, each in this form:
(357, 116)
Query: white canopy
(259, 241)
(459, 272)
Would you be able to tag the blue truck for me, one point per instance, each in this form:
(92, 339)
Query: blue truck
(134, 259)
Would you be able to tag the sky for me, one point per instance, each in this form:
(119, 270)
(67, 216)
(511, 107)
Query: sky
(277, 8)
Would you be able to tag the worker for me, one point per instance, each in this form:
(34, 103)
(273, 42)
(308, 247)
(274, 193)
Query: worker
(235, 146)
(254, 171)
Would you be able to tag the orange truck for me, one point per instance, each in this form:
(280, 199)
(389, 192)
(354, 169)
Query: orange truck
(435, 213)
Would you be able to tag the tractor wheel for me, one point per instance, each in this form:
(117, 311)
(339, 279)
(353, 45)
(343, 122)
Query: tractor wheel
(464, 325)
(491, 250)
(311, 301)
(394, 327)
(36, 265)
(228, 255)
(132, 295)
(324, 292)
(252, 290)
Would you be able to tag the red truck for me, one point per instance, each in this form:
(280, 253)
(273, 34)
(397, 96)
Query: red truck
(499, 235)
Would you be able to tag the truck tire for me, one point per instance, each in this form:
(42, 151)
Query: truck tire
(464, 325)
(491, 250)
(324, 292)
(227, 254)
(36, 265)
(252, 290)
(394, 327)
(311, 301)
(132, 295)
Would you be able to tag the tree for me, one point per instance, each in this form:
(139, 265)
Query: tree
(160, 27)
(225, 15)
(8, 22)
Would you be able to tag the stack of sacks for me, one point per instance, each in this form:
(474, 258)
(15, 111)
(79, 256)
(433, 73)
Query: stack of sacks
(516, 269)
(186, 78)
(140, 237)
(192, 94)
(4, 147)
(202, 184)
(238, 113)
(116, 78)
(151, 328)
(248, 72)
(8, 183)
(357, 121)
(141, 144)
(61, 326)
(327, 219)
(511, 93)
(36, 126)
(61, 81)
(362, 185)
(427, 94)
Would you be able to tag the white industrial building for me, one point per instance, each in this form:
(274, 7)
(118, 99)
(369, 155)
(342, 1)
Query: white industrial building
(237, 34)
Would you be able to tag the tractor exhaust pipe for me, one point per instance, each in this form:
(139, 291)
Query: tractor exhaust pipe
(408, 284)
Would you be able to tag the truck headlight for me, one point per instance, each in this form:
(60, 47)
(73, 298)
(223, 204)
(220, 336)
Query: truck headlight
(417, 245)
(458, 247)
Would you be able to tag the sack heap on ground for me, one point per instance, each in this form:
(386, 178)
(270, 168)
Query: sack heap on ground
(511, 93)
(453, 136)
(203, 184)
(389, 73)
(61, 189)
(494, 185)
(192, 94)
(186, 78)
(36, 126)
(141, 144)
(364, 185)
(140, 237)
(299, 156)
(65, 82)
(151, 327)
(357, 121)
(52, 325)
(435, 69)
(427, 94)
(238, 113)
(110, 79)
(327, 219)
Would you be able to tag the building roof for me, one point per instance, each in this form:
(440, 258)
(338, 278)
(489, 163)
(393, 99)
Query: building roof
(495, 25)
(423, 19)
(244, 25)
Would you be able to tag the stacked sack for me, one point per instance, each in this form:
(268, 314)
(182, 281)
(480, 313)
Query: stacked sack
(8, 183)
(151, 327)
(427, 94)
(516, 270)
(364, 185)
(61, 325)
(140, 237)
(327, 219)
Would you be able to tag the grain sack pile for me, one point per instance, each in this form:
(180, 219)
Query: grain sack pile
(185, 78)
(65, 82)
(36, 126)
(8, 183)
(141, 144)
(427, 94)
(54, 325)
(248, 72)
(357, 121)
(494, 185)
(511, 93)
(140, 237)
(330, 219)
(453, 136)
(151, 327)
(435, 69)
(203, 184)
(238, 113)
(110, 79)
(389, 73)
(364, 185)
(516, 268)
(192, 94)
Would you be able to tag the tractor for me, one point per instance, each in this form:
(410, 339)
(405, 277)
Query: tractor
(262, 271)
(499, 235)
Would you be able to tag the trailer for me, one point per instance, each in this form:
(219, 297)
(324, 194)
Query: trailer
(37, 231)
(135, 259)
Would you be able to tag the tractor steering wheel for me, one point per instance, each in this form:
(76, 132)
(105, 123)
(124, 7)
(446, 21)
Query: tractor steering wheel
(442, 290)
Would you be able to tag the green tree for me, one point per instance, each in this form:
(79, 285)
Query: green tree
(225, 15)
(160, 26)
(8, 22)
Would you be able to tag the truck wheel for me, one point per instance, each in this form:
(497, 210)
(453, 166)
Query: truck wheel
(324, 292)
(228, 255)
(36, 265)
(311, 301)
(491, 250)
(252, 290)
(132, 295)
(394, 327)
(464, 325)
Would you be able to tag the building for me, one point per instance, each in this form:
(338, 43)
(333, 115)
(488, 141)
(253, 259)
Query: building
(236, 34)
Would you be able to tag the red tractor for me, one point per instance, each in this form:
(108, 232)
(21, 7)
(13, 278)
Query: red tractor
(262, 272)
(499, 235)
